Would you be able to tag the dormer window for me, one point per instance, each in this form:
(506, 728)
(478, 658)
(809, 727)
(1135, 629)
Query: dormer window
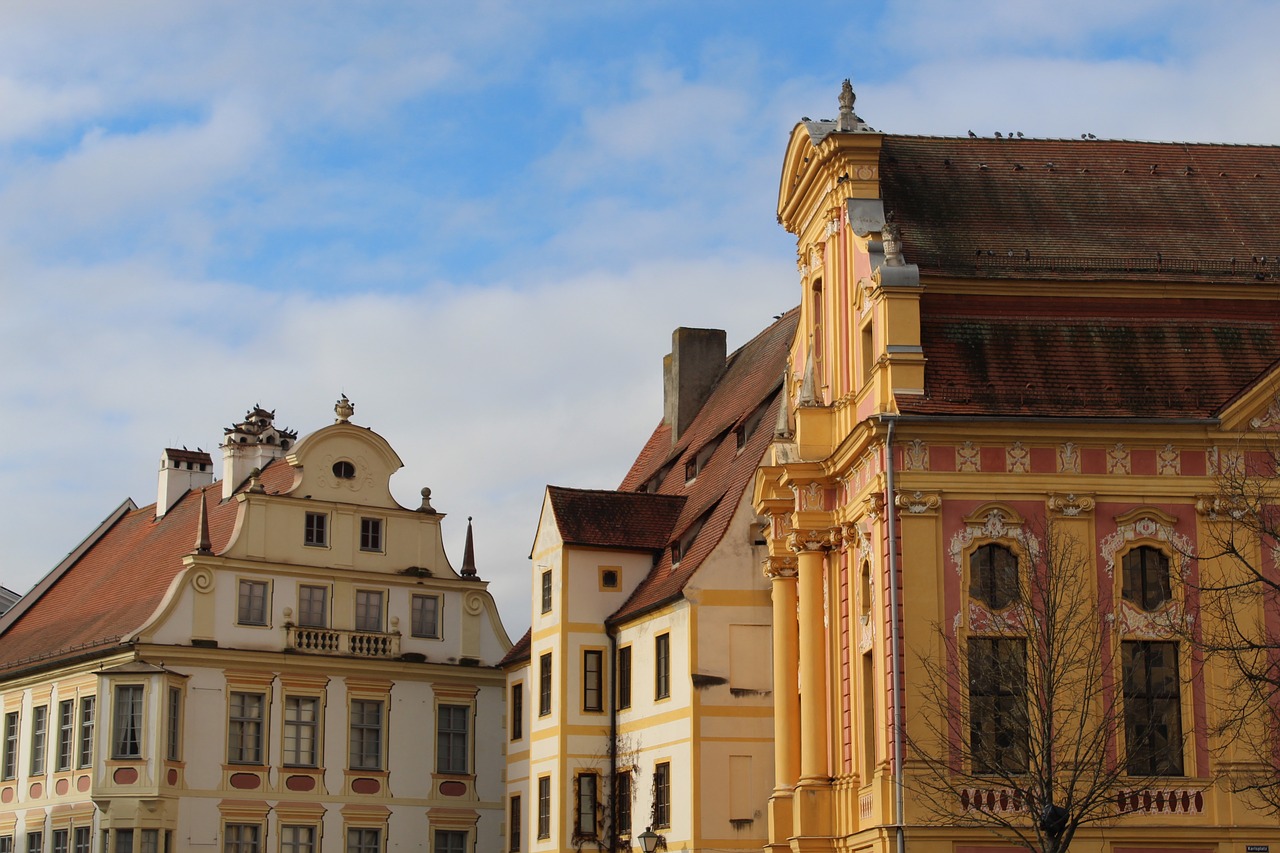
(344, 470)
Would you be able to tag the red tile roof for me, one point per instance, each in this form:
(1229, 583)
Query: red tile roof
(520, 652)
(1095, 358)
(1036, 209)
(746, 394)
(635, 521)
(111, 589)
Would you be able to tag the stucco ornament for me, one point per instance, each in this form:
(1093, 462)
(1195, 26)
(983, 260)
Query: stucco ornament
(1069, 458)
(1070, 505)
(1018, 459)
(783, 566)
(875, 506)
(892, 246)
(1118, 459)
(344, 409)
(1270, 419)
(1168, 461)
(1146, 528)
(916, 455)
(968, 458)
(918, 502)
(994, 526)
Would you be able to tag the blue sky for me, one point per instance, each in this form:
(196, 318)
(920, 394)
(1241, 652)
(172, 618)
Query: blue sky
(479, 221)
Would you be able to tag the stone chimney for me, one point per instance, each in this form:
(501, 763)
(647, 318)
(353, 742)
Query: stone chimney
(180, 472)
(689, 373)
(250, 444)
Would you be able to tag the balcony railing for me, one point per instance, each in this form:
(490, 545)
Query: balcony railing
(329, 641)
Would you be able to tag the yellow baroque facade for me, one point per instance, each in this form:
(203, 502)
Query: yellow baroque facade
(1004, 342)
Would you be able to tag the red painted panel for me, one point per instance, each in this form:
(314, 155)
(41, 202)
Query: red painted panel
(365, 785)
(453, 788)
(1093, 460)
(1143, 462)
(62, 786)
(245, 781)
(125, 775)
(992, 459)
(1194, 463)
(942, 458)
(1044, 460)
(36, 791)
(300, 783)
(6, 794)
(82, 783)
(173, 776)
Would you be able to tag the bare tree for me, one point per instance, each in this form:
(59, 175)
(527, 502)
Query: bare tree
(1019, 720)
(1239, 606)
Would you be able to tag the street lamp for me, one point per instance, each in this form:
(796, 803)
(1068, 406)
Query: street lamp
(648, 840)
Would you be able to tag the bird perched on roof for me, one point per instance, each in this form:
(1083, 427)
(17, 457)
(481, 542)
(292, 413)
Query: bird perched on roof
(973, 135)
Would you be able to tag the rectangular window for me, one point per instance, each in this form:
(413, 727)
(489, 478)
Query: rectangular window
(313, 606)
(998, 729)
(173, 727)
(517, 711)
(622, 803)
(124, 841)
(242, 838)
(301, 723)
(252, 609)
(425, 621)
(452, 742)
(35, 842)
(61, 841)
(662, 666)
(39, 737)
(624, 677)
(316, 530)
(363, 840)
(585, 822)
(370, 534)
(66, 733)
(126, 732)
(150, 841)
(85, 747)
(1152, 708)
(544, 685)
(11, 745)
(544, 806)
(82, 839)
(450, 841)
(366, 734)
(546, 591)
(244, 729)
(6, 844)
(297, 839)
(662, 795)
(592, 680)
(369, 610)
(513, 825)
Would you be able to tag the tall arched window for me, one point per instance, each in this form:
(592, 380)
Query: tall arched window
(993, 576)
(1145, 577)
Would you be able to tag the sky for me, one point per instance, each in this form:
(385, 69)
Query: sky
(481, 222)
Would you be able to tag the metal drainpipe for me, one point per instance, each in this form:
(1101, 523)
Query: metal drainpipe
(613, 736)
(895, 642)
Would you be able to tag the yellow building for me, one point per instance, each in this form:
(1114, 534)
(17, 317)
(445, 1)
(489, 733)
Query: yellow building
(1000, 341)
(284, 660)
(640, 697)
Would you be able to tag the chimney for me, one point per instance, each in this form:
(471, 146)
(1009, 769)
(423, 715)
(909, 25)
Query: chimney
(252, 443)
(180, 472)
(689, 373)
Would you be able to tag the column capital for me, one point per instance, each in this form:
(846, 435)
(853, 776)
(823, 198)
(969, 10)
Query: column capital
(781, 567)
(1070, 505)
(918, 502)
(812, 540)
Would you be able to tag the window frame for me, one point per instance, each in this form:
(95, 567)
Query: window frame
(593, 680)
(997, 678)
(1152, 694)
(546, 591)
(515, 815)
(662, 666)
(65, 757)
(246, 732)
(364, 733)
(418, 616)
(296, 845)
(362, 609)
(544, 684)
(128, 723)
(662, 795)
(9, 770)
(307, 616)
(997, 587)
(364, 839)
(371, 535)
(622, 795)
(544, 807)
(60, 840)
(247, 610)
(248, 838)
(453, 739)
(517, 710)
(85, 726)
(450, 841)
(39, 739)
(624, 677)
(1140, 597)
(81, 839)
(293, 732)
(586, 788)
(315, 530)
(173, 724)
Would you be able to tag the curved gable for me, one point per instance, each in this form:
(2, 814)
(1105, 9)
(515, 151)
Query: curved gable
(347, 463)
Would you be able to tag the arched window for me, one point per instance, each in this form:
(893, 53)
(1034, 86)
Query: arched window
(993, 576)
(864, 590)
(1145, 577)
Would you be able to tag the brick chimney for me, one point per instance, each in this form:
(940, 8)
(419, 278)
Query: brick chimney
(180, 472)
(689, 373)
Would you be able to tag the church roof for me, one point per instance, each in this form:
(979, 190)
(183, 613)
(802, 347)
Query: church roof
(106, 590)
(1061, 209)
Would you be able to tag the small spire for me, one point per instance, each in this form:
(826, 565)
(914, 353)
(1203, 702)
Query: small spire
(469, 554)
(203, 545)
(808, 387)
(344, 409)
(782, 428)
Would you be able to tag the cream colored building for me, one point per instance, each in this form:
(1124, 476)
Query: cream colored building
(640, 697)
(284, 660)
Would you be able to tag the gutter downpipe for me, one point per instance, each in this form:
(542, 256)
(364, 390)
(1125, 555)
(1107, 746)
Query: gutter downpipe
(895, 642)
(612, 632)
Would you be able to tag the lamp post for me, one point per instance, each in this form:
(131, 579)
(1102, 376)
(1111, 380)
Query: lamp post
(648, 840)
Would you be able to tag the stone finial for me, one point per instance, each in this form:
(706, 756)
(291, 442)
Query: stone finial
(848, 118)
(344, 409)
(426, 502)
(203, 545)
(892, 241)
(469, 555)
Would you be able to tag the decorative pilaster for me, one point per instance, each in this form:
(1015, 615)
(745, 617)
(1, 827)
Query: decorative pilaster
(782, 572)
(811, 551)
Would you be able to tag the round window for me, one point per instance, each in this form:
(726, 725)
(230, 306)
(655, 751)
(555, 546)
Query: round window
(344, 470)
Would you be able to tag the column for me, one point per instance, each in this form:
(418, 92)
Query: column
(781, 571)
(811, 556)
